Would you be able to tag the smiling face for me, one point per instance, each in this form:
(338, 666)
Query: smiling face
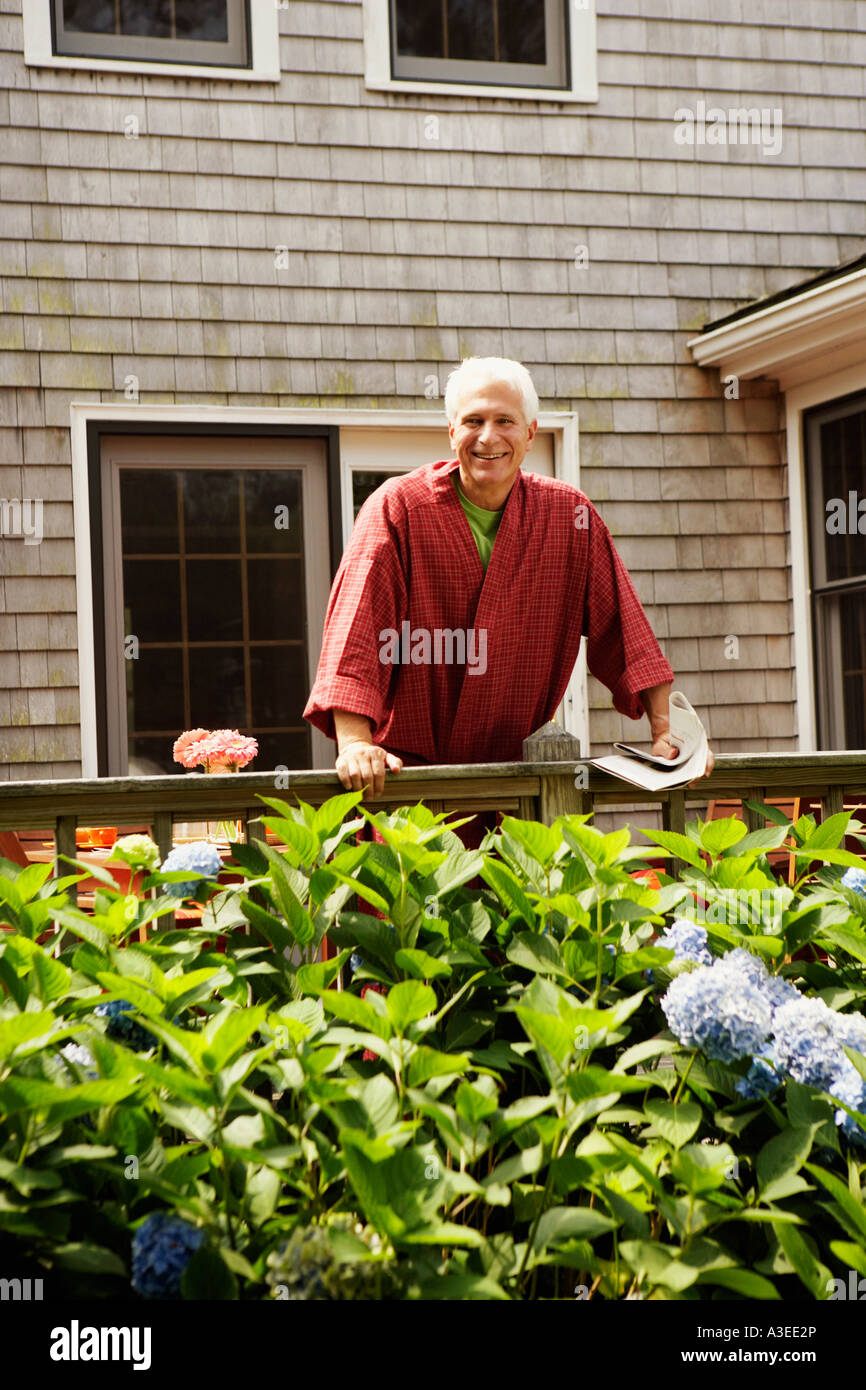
(491, 437)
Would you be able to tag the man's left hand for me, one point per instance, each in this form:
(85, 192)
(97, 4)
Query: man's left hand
(664, 747)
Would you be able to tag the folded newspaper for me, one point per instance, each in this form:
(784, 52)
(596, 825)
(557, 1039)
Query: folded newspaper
(654, 774)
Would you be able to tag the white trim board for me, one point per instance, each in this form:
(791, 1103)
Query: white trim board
(264, 43)
(574, 712)
(582, 58)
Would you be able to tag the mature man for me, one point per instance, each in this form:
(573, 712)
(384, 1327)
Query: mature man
(456, 614)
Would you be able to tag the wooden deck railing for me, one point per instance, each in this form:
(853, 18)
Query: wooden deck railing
(536, 789)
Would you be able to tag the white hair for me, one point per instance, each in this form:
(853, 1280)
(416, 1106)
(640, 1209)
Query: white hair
(478, 372)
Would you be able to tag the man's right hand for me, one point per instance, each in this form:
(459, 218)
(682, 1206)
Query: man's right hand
(363, 764)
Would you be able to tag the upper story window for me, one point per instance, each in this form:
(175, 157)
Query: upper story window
(489, 41)
(500, 48)
(164, 31)
(230, 39)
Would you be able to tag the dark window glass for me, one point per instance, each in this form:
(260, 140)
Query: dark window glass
(155, 19)
(151, 593)
(280, 688)
(154, 690)
(521, 32)
(216, 687)
(272, 506)
(420, 31)
(276, 600)
(471, 30)
(243, 585)
(149, 511)
(504, 31)
(853, 624)
(215, 600)
(364, 485)
(843, 469)
(211, 515)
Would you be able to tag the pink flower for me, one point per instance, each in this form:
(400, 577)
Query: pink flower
(187, 749)
(216, 751)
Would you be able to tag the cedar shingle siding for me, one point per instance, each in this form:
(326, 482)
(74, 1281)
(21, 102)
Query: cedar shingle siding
(154, 257)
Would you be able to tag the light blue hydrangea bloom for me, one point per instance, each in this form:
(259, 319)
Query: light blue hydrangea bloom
(763, 1078)
(687, 940)
(199, 858)
(807, 1041)
(720, 1010)
(850, 1087)
(855, 879)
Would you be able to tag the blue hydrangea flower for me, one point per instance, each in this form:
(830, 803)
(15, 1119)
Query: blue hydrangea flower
(121, 1027)
(807, 1041)
(763, 1078)
(81, 1056)
(720, 1010)
(199, 858)
(855, 879)
(687, 940)
(161, 1250)
(850, 1087)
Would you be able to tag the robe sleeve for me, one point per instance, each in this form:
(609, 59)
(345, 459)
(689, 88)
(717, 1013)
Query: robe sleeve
(621, 648)
(369, 596)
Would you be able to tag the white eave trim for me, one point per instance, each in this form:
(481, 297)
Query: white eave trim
(789, 341)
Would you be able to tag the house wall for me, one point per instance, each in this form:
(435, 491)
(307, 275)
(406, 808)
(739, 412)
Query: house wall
(154, 258)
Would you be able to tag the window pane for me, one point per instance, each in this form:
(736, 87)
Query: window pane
(90, 16)
(152, 20)
(364, 485)
(216, 687)
(420, 33)
(283, 750)
(276, 600)
(521, 32)
(471, 30)
(272, 505)
(279, 684)
(154, 691)
(843, 468)
(211, 512)
(148, 510)
(156, 19)
(148, 757)
(215, 604)
(151, 593)
(853, 624)
(202, 19)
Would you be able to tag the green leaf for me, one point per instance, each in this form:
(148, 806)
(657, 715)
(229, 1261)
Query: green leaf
(349, 1007)
(408, 1002)
(474, 1105)
(88, 1259)
(314, 979)
(843, 1195)
(571, 1223)
(850, 1254)
(505, 884)
(742, 1281)
(207, 1276)
(227, 1033)
(540, 841)
(780, 1158)
(679, 845)
(675, 1122)
(420, 965)
(815, 1276)
(829, 834)
(538, 953)
(21, 1029)
(427, 1062)
(333, 812)
(719, 835)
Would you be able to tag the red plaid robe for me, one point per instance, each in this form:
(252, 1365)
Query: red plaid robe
(553, 575)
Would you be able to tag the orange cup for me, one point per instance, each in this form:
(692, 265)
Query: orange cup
(83, 835)
(107, 835)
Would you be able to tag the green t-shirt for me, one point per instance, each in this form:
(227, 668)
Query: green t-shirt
(483, 524)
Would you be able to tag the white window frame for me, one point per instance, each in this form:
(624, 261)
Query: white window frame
(264, 46)
(573, 713)
(582, 61)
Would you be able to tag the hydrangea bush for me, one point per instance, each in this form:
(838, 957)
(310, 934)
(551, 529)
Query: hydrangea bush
(549, 1066)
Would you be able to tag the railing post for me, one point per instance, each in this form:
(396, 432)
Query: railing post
(558, 795)
(64, 843)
